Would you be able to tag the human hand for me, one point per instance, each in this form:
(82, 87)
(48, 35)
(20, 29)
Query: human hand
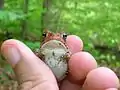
(33, 74)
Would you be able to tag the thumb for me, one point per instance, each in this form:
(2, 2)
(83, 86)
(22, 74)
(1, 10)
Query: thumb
(30, 71)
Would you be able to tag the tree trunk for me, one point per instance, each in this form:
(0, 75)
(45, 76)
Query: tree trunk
(1, 4)
(46, 5)
(24, 22)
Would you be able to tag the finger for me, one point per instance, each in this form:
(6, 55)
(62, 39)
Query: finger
(30, 71)
(67, 85)
(101, 79)
(80, 64)
(112, 89)
(74, 43)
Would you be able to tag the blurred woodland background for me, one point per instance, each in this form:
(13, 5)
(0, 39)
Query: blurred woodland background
(97, 22)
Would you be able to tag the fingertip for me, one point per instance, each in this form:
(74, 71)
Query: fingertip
(101, 78)
(14, 43)
(74, 43)
(112, 89)
(80, 64)
(10, 51)
(13, 50)
(6, 42)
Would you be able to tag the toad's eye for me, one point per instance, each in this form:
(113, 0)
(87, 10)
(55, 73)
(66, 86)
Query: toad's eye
(44, 34)
(64, 36)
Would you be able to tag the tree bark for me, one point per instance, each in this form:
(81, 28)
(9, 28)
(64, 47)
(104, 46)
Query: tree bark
(46, 5)
(24, 22)
(1, 4)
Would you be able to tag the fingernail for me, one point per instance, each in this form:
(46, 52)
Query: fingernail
(11, 54)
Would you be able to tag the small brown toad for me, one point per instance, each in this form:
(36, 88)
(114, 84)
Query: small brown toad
(55, 53)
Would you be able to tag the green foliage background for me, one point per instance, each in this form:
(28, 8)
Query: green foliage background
(95, 22)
